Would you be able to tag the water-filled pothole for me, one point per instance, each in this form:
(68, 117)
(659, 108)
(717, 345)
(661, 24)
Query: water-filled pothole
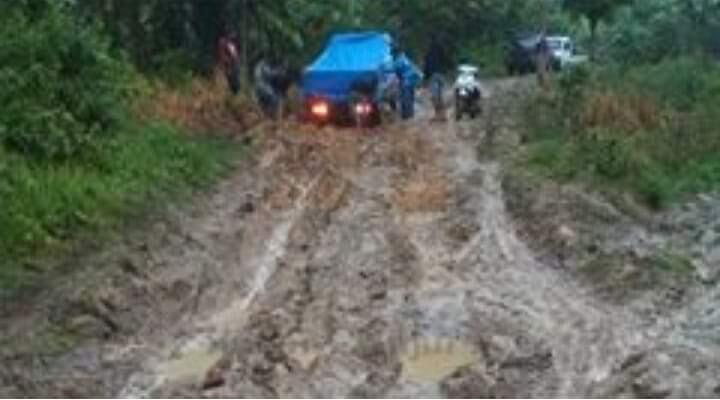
(191, 366)
(434, 360)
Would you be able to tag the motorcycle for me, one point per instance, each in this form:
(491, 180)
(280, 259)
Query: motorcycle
(468, 92)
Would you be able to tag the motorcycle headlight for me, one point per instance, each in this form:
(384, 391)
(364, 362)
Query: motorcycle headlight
(363, 109)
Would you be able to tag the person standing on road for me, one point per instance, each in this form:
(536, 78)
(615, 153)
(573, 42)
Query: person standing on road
(409, 77)
(264, 77)
(283, 76)
(542, 59)
(229, 61)
(435, 67)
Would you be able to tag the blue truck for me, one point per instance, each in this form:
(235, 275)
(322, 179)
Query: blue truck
(351, 79)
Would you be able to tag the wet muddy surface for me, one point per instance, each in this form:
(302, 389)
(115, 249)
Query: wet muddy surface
(392, 263)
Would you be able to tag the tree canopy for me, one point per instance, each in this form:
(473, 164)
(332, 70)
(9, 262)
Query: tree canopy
(180, 35)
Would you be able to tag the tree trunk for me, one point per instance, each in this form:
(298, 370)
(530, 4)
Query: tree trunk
(244, 38)
(593, 40)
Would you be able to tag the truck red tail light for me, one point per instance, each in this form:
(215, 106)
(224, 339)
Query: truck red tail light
(320, 109)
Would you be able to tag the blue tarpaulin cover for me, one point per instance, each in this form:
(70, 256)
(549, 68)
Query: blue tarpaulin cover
(346, 58)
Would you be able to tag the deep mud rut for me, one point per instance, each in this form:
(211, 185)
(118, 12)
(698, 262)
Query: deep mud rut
(378, 265)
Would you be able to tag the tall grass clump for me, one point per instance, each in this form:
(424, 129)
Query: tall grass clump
(651, 130)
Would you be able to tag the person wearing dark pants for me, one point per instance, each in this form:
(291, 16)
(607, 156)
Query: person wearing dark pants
(542, 60)
(409, 77)
(437, 90)
(265, 91)
(436, 64)
(229, 61)
(407, 102)
(233, 78)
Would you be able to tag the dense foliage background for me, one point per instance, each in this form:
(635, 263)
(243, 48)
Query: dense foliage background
(74, 152)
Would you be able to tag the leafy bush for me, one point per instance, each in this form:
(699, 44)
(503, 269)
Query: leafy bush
(174, 67)
(651, 31)
(649, 129)
(74, 158)
(62, 89)
(682, 83)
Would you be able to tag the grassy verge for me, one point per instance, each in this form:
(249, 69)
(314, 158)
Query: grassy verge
(647, 130)
(621, 279)
(46, 207)
(657, 186)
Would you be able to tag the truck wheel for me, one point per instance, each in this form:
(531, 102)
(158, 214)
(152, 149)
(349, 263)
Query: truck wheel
(377, 118)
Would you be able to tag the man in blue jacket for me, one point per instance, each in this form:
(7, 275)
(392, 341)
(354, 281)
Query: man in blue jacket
(409, 77)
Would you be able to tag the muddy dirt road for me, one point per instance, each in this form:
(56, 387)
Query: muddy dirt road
(361, 265)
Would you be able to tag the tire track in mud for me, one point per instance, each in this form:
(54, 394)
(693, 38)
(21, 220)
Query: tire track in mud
(584, 338)
(379, 283)
(381, 280)
(194, 357)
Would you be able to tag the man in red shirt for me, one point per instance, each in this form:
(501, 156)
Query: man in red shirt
(229, 61)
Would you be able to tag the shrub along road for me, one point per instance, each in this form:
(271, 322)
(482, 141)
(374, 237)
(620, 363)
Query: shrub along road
(397, 262)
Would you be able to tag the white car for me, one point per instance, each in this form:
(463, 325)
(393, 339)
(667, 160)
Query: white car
(564, 51)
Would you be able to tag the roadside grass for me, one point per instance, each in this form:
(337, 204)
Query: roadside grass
(201, 105)
(47, 207)
(622, 278)
(650, 131)
(655, 185)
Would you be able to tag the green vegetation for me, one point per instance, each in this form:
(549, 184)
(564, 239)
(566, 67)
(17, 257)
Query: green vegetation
(166, 38)
(595, 12)
(46, 205)
(644, 118)
(650, 31)
(649, 129)
(62, 90)
(73, 157)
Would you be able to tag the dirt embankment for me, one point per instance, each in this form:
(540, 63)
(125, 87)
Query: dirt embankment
(402, 262)
(664, 267)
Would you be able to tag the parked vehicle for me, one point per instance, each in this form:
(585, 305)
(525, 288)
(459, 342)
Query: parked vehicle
(520, 57)
(564, 52)
(349, 81)
(468, 92)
